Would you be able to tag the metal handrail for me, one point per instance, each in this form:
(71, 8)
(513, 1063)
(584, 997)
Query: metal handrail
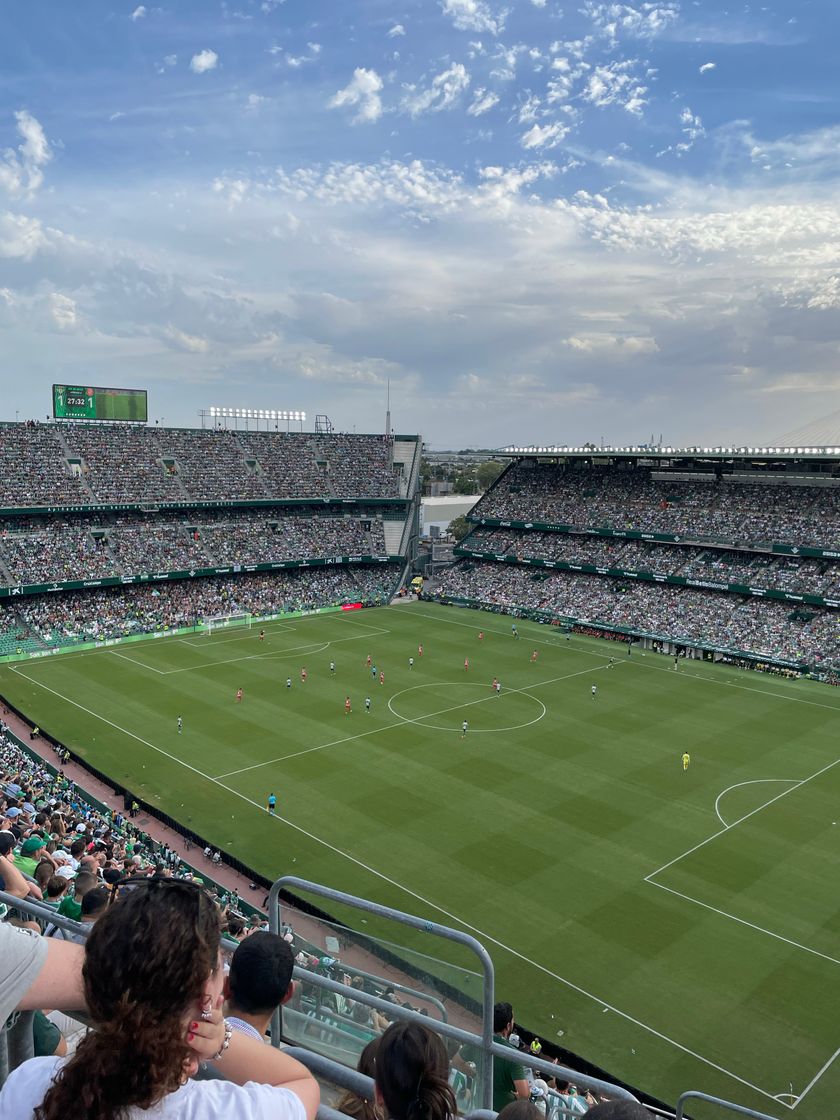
(293, 883)
(433, 1000)
(729, 1106)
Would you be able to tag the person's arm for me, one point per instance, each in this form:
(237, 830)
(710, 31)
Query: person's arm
(247, 1059)
(59, 983)
(14, 882)
(522, 1088)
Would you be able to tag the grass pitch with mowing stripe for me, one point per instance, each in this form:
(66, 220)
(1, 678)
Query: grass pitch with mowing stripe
(682, 929)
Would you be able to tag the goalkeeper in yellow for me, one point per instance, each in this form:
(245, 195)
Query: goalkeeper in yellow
(686, 760)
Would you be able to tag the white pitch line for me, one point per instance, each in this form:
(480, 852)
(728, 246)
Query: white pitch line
(754, 782)
(402, 721)
(744, 922)
(413, 894)
(630, 660)
(310, 647)
(746, 817)
(815, 1079)
(134, 661)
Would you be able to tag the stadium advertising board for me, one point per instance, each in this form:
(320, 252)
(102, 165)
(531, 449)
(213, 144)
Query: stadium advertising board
(156, 507)
(94, 402)
(659, 538)
(652, 577)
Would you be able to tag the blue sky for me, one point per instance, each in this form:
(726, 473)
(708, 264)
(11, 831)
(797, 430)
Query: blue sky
(540, 221)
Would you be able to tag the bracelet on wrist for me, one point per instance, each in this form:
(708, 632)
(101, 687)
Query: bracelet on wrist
(225, 1042)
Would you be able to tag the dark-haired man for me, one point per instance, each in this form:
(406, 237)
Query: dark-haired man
(510, 1081)
(259, 981)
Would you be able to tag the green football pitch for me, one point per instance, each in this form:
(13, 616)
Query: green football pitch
(679, 927)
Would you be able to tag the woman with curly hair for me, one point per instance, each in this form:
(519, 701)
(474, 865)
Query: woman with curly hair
(412, 1075)
(153, 986)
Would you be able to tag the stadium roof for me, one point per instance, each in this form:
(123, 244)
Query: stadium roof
(646, 451)
(826, 430)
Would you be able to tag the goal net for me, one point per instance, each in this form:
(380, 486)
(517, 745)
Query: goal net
(225, 621)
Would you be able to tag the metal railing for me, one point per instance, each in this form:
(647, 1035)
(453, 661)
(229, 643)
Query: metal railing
(16, 1041)
(727, 1106)
(483, 1042)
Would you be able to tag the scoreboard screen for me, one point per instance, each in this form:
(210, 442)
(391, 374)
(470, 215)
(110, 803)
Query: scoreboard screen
(91, 402)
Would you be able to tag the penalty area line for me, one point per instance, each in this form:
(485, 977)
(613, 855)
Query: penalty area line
(412, 894)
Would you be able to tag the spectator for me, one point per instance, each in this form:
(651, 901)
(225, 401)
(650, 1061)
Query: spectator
(259, 981)
(412, 1073)
(359, 1107)
(36, 972)
(510, 1079)
(11, 878)
(152, 981)
(521, 1110)
(619, 1110)
(71, 906)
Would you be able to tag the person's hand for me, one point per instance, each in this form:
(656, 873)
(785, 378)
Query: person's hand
(204, 1037)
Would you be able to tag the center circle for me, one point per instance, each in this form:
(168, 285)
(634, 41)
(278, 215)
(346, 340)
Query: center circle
(463, 709)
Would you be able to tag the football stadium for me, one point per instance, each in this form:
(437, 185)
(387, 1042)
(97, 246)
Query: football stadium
(419, 560)
(601, 741)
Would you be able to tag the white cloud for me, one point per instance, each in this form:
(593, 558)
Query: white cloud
(474, 15)
(483, 100)
(444, 91)
(63, 310)
(188, 343)
(614, 83)
(629, 346)
(203, 61)
(362, 91)
(538, 3)
(296, 61)
(645, 21)
(396, 30)
(138, 13)
(21, 237)
(21, 170)
(255, 100)
(544, 136)
(707, 66)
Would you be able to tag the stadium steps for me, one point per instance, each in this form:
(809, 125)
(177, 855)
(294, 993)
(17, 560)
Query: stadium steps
(407, 453)
(393, 536)
(249, 453)
(69, 453)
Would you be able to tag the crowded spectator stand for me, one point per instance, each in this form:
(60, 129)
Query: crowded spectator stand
(735, 562)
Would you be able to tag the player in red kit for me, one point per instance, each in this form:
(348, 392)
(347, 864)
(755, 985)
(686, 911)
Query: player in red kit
(369, 662)
(481, 635)
(347, 708)
(493, 685)
(466, 664)
(381, 678)
(534, 655)
(420, 650)
(239, 696)
(303, 675)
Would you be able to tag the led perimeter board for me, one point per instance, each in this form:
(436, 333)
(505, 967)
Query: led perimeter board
(91, 402)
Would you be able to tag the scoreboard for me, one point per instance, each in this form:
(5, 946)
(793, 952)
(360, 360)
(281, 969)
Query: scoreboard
(91, 402)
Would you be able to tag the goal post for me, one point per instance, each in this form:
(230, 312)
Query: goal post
(218, 622)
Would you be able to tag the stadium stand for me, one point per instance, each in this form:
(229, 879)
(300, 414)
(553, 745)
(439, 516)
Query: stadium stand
(631, 499)
(713, 582)
(762, 627)
(41, 549)
(80, 464)
(100, 490)
(788, 573)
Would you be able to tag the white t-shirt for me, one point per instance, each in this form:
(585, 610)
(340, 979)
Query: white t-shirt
(22, 957)
(27, 1086)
